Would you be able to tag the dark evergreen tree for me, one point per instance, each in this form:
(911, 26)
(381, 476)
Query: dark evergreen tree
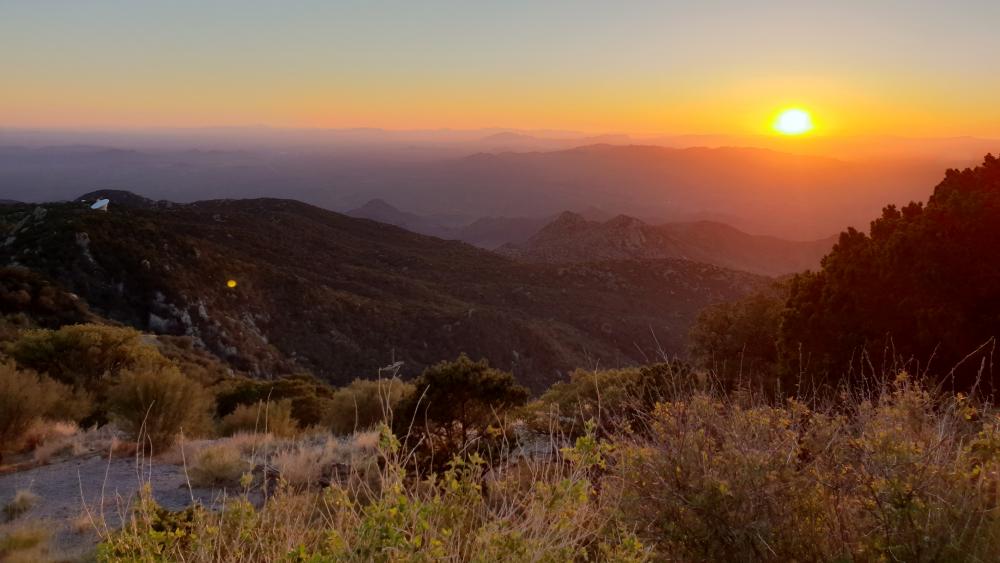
(923, 285)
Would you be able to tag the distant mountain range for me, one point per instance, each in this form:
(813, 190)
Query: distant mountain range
(572, 238)
(594, 236)
(484, 232)
(759, 191)
(341, 296)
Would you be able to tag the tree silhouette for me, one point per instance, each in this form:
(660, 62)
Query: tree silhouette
(925, 280)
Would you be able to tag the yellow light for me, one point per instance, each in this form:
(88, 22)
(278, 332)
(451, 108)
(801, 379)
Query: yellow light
(231, 284)
(793, 122)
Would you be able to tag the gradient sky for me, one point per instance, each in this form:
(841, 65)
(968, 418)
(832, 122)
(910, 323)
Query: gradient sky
(911, 68)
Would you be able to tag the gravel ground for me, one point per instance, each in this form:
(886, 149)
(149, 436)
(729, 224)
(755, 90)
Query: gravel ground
(63, 487)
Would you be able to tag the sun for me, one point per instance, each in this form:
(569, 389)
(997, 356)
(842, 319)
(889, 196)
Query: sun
(793, 121)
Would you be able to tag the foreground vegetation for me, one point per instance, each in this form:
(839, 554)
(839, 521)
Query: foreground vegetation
(901, 475)
(663, 462)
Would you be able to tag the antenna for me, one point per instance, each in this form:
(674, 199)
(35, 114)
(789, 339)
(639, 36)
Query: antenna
(101, 204)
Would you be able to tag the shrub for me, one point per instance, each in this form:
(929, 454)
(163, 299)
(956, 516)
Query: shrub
(273, 417)
(305, 464)
(609, 397)
(559, 516)
(456, 402)
(25, 397)
(86, 357)
(22, 502)
(48, 438)
(82, 355)
(364, 404)
(739, 341)
(902, 476)
(218, 465)
(23, 292)
(310, 397)
(26, 542)
(156, 402)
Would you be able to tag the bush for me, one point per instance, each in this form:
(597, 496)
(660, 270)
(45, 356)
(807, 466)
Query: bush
(156, 402)
(740, 341)
(454, 403)
(22, 502)
(364, 404)
(87, 358)
(82, 355)
(610, 398)
(903, 476)
(306, 463)
(266, 417)
(23, 292)
(28, 542)
(26, 397)
(558, 516)
(310, 397)
(217, 466)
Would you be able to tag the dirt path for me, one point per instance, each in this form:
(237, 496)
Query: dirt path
(65, 486)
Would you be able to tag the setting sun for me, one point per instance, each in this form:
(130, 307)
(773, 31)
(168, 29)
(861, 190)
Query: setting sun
(793, 122)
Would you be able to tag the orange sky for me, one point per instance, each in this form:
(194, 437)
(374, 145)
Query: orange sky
(902, 68)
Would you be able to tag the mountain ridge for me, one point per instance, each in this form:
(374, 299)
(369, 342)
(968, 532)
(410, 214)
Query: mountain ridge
(341, 297)
(570, 238)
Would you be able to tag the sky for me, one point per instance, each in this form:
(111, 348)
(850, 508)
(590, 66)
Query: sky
(907, 68)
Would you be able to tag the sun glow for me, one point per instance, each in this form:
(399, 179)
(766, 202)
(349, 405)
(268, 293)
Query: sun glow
(793, 121)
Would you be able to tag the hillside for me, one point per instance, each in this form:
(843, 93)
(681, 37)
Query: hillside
(341, 297)
(571, 238)
(484, 232)
(383, 212)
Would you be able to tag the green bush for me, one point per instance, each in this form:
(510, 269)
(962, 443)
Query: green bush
(609, 397)
(364, 404)
(903, 476)
(156, 402)
(24, 398)
(273, 417)
(82, 355)
(310, 397)
(739, 341)
(86, 357)
(456, 403)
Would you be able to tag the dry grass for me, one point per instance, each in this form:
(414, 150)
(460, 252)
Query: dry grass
(305, 465)
(218, 465)
(897, 474)
(270, 417)
(23, 501)
(24, 542)
(556, 514)
(54, 438)
(254, 445)
(82, 523)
